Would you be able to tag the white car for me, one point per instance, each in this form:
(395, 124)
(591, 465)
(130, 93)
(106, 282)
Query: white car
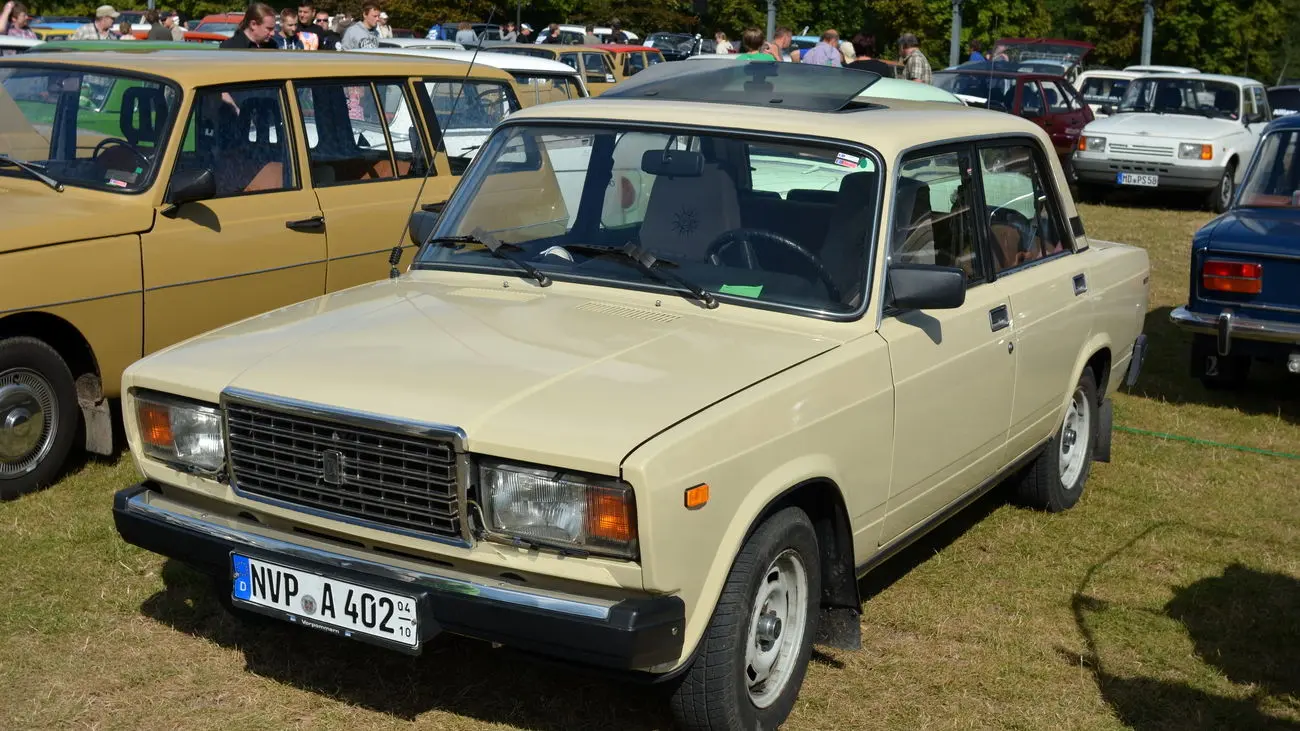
(574, 34)
(1157, 69)
(15, 44)
(537, 80)
(1189, 132)
(420, 43)
(1104, 88)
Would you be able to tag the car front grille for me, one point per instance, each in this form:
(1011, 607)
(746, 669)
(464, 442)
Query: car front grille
(1134, 166)
(1152, 150)
(338, 467)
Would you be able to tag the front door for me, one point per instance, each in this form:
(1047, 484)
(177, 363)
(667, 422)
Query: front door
(953, 370)
(367, 157)
(257, 245)
(1065, 117)
(1035, 263)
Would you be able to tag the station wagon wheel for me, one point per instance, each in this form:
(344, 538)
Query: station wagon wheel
(752, 658)
(1054, 480)
(38, 415)
(746, 238)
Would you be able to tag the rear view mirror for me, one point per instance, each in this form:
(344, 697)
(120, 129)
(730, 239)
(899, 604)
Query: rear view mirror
(672, 163)
(925, 287)
(423, 222)
(189, 186)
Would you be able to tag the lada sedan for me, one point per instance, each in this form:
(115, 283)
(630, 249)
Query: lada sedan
(666, 444)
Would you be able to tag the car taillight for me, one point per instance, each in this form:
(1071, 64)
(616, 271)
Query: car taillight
(1232, 276)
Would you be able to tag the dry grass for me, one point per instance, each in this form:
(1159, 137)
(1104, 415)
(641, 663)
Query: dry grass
(1167, 600)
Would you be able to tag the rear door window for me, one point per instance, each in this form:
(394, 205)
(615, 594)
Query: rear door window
(346, 133)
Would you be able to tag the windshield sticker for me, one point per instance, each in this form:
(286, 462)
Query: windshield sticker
(844, 157)
(742, 290)
(117, 183)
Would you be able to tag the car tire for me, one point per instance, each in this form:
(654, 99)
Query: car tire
(753, 656)
(1220, 199)
(39, 416)
(1054, 481)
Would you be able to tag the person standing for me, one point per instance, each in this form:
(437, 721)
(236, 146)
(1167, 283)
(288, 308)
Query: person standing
(13, 22)
(847, 53)
(864, 47)
(783, 39)
(385, 30)
(721, 44)
(174, 25)
(125, 32)
(329, 38)
(363, 33)
(510, 35)
(916, 67)
(976, 51)
(465, 34)
(756, 48)
(552, 33)
(99, 29)
(617, 35)
(826, 52)
(525, 33)
(307, 20)
(590, 38)
(289, 38)
(157, 27)
(255, 29)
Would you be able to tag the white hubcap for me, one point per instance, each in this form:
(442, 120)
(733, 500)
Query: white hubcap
(28, 421)
(1075, 433)
(776, 628)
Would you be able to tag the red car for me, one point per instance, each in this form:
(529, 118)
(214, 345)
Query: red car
(1046, 99)
(215, 28)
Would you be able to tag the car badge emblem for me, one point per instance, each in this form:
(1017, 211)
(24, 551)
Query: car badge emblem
(309, 604)
(332, 466)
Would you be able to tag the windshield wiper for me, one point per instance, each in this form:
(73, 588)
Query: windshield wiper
(495, 248)
(650, 264)
(33, 170)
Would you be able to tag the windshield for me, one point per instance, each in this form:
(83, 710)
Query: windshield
(1183, 96)
(1274, 180)
(1103, 89)
(1284, 102)
(538, 88)
(1000, 91)
(765, 224)
(93, 129)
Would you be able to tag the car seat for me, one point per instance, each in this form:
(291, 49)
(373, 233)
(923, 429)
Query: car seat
(1168, 98)
(686, 213)
(844, 253)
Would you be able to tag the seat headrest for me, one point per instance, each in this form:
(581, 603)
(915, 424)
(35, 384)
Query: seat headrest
(258, 116)
(141, 116)
(1169, 97)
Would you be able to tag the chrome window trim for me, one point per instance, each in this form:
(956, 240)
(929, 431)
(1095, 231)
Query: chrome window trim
(364, 420)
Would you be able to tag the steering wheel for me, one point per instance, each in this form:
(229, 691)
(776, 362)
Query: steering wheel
(104, 143)
(489, 98)
(747, 237)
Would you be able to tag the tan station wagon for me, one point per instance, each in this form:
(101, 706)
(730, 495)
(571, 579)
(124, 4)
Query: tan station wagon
(149, 197)
(654, 394)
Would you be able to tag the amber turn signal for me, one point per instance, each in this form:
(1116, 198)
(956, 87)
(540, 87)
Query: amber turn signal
(610, 515)
(697, 496)
(155, 422)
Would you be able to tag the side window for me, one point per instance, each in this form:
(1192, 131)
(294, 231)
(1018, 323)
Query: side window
(345, 132)
(465, 112)
(570, 60)
(1058, 99)
(1261, 102)
(1031, 100)
(239, 134)
(634, 62)
(1021, 214)
(408, 146)
(598, 68)
(934, 221)
(653, 58)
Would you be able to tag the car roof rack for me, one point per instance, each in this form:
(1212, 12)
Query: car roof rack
(802, 87)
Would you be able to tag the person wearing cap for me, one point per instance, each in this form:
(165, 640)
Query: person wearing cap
(525, 33)
(384, 29)
(99, 29)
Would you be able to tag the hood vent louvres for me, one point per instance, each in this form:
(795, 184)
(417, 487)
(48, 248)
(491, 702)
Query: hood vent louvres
(629, 313)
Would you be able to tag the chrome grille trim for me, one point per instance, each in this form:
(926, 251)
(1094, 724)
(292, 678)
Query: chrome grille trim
(1134, 149)
(398, 475)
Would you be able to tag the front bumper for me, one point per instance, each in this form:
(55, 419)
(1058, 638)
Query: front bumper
(624, 634)
(1173, 176)
(1227, 326)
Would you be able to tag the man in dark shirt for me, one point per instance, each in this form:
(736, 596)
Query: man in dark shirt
(865, 48)
(255, 30)
(307, 20)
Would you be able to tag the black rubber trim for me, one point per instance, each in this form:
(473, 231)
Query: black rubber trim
(1076, 225)
(638, 633)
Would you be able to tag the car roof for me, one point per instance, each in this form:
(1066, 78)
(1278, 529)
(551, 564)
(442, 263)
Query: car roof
(1159, 69)
(1113, 73)
(890, 126)
(419, 43)
(120, 47)
(1008, 73)
(1238, 80)
(222, 66)
(513, 62)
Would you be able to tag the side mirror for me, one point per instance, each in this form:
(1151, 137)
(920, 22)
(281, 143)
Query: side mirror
(189, 186)
(925, 287)
(424, 221)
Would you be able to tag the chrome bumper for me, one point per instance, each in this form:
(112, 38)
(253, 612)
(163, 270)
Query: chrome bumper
(1226, 326)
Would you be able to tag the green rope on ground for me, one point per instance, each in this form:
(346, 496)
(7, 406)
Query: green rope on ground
(1206, 442)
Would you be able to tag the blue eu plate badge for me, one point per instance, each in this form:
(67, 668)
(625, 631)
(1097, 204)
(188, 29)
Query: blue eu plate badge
(242, 588)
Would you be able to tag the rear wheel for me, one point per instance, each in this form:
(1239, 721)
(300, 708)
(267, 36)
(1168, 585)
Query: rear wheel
(1054, 480)
(754, 653)
(1220, 199)
(38, 415)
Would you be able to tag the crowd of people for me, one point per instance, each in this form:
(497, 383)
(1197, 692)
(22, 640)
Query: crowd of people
(858, 53)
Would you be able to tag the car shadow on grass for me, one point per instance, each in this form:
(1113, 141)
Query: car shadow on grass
(1172, 200)
(1241, 623)
(1166, 375)
(454, 675)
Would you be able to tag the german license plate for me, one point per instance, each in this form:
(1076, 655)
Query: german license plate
(1146, 181)
(335, 606)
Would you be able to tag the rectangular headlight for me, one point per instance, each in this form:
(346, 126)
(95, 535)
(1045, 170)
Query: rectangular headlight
(551, 507)
(1195, 151)
(180, 432)
(1092, 144)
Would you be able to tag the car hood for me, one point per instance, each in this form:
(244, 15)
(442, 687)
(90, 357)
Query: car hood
(34, 215)
(1172, 126)
(552, 376)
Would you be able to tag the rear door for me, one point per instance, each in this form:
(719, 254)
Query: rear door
(597, 70)
(366, 156)
(258, 244)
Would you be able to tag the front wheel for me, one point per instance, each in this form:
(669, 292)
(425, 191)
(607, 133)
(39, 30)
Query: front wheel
(1220, 199)
(754, 653)
(1054, 480)
(38, 415)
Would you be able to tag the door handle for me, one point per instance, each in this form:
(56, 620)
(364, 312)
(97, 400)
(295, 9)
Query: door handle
(1080, 284)
(999, 318)
(315, 223)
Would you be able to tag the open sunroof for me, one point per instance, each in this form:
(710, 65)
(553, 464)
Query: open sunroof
(756, 83)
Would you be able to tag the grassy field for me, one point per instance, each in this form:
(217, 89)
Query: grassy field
(1168, 599)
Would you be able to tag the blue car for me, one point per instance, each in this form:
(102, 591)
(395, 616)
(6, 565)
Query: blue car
(1244, 302)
